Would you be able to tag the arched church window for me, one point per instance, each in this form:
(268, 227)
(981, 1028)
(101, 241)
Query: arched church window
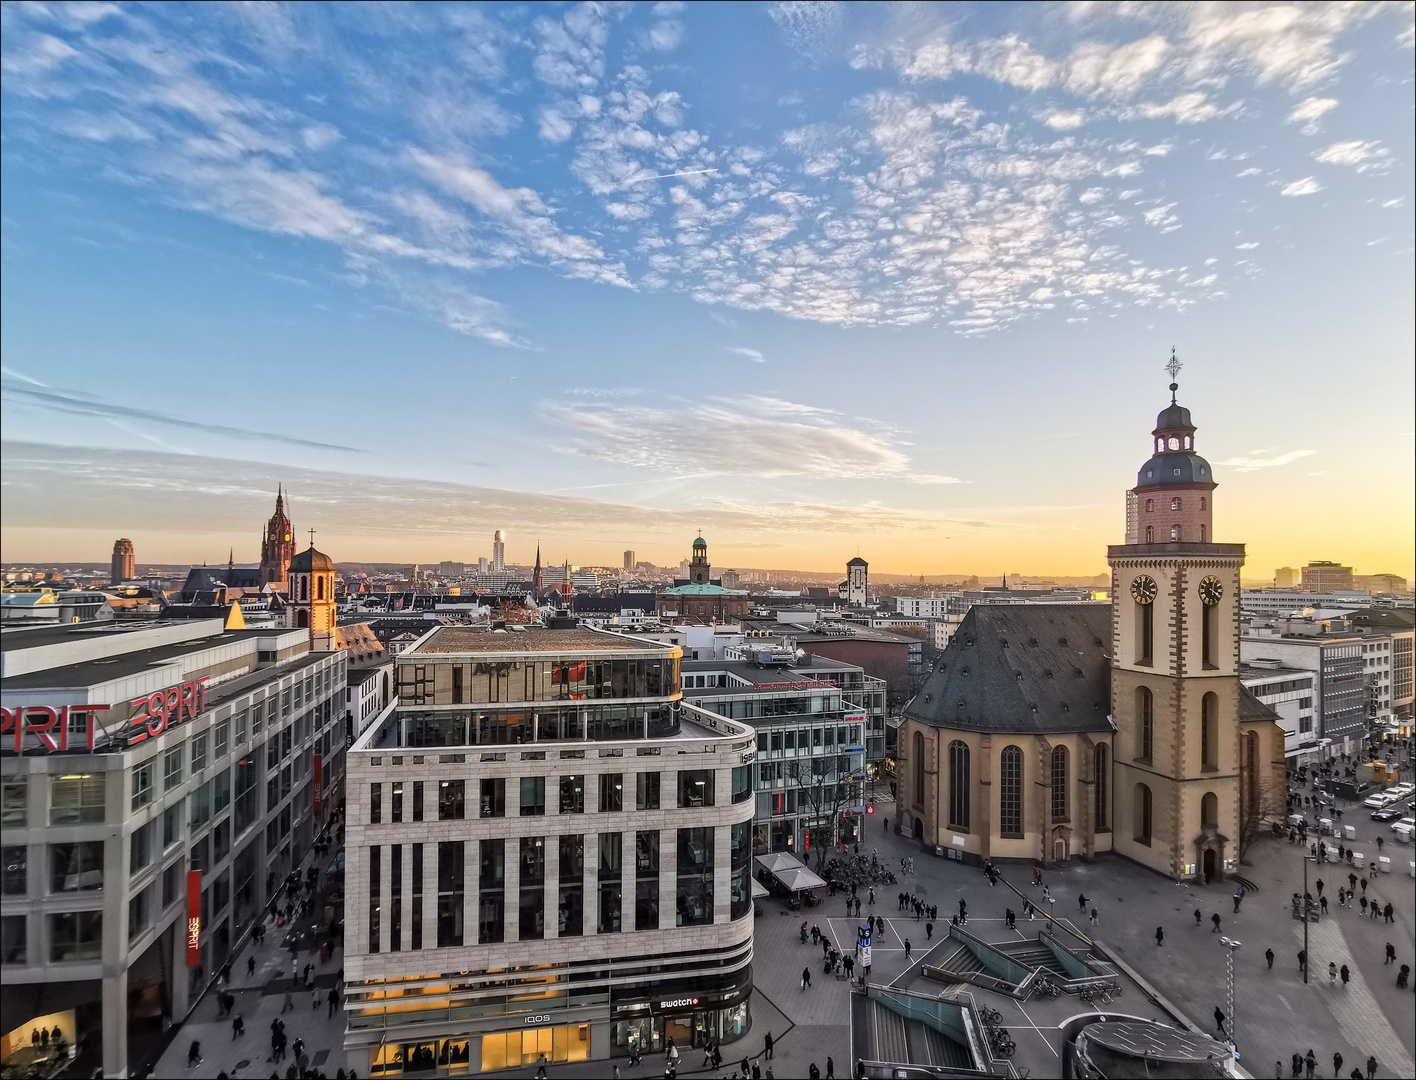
(1202, 502)
(319, 587)
(1175, 532)
(1202, 534)
(1145, 713)
(958, 785)
(1059, 784)
(1141, 814)
(1175, 503)
(1150, 506)
(304, 588)
(1010, 792)
(1209, 731)
(1209, 810)
(1103, 786)
(918, 792)
(1174, 443)
(1150, 534)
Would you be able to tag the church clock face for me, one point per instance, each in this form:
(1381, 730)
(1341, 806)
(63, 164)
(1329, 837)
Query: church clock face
(1144, 589)
(1211, 591)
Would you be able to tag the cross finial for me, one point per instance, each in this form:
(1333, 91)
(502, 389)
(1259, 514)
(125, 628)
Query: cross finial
(312, 538)
(1174, 368)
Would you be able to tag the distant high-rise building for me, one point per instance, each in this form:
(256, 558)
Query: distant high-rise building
(449, 569)
(483, 565)
(124, 567)
(857, 581)
(277, 545)
(1379, 583)
(1324, 577)
(629, 560)
(1285, 577)
(499, 552)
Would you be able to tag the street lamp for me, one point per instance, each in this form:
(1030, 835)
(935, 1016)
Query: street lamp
(1231, 947)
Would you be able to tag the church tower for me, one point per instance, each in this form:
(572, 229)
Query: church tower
(311, 596)
(277, 545)
(537, 582)
(700, 570)
(1193, 750)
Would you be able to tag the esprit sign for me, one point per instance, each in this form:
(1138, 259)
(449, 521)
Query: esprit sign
(152, 715)
(51, 727)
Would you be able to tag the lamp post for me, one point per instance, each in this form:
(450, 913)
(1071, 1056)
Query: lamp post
(1231, 947)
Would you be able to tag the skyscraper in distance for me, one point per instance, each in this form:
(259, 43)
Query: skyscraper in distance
(499, 551)
(124, 567)
(629, 560)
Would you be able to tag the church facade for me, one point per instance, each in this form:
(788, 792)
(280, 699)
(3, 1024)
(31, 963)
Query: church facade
(1056, 731)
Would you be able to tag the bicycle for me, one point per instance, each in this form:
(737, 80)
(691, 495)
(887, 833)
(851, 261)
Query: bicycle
(990, 1017)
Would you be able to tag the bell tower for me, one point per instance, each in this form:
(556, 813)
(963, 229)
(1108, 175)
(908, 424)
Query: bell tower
(311, 596)
(277, 544)
(700, 570)
(1176, 697)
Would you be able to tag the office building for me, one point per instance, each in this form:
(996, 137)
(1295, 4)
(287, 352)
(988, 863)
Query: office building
(630, 562)
(1285, 577)
(1322, 576)
(1291, 693)
(160, 780)
(536, 825)
(124, 566)
(499, 552)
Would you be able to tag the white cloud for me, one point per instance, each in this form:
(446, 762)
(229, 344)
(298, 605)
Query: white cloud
(1309, 111)
(1191, 108)
(1265, 459)
(745, 436)
(1306, 186)
(1354, 152)
(1063, 120)
(571, 54)
(752, 354)
(1247, 246)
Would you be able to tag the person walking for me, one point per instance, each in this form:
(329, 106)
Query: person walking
(194, 1054)
(1388, 912)
(1302, 960)
(1268, 955)
(1198, 917)
(1082, 902)
(1332, 973)
(1371, 1068)
(830, 1068)
(288, 1003)
(1219, 1021)
(767, 1046)
(1345, 973)
(1010, 918)
(1310, 1064)
(1159, 935)
(1093, 916)
(813, 1072)
(1297, 1064)
(250, 965)
(1390, 954)
(907, 950)
(1215, 919)
(1336, 1064)
(238, 1028)
(805, 977)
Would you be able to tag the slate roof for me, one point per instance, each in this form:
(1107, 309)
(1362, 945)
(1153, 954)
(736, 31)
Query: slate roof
(1251, 708)
(1024, 668)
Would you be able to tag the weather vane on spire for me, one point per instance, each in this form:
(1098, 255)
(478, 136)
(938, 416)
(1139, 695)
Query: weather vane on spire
(1174, 368)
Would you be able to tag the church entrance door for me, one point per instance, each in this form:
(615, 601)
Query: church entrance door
(1207, 863)
(919, 828)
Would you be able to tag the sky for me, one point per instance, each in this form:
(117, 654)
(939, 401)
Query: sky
(813, 278)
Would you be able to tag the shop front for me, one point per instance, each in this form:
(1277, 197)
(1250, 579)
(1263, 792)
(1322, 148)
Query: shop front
(690, 1020)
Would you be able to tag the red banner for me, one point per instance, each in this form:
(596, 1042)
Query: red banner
(194, 918)
(319, 781)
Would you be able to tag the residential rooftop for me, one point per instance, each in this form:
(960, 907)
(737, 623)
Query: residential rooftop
(463, 639)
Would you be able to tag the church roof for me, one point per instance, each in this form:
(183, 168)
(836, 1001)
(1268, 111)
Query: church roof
(701, 588)
(700, 542)
(857, 561)
(1175, 467)
(310, 560)
(1252, 709)
(1030, 669)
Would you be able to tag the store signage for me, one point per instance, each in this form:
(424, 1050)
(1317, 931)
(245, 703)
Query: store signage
(319, 780)
(678, 1003)
(542, 1019)
(194, 918)
(800, 684)
(155, 712)
(51, 726)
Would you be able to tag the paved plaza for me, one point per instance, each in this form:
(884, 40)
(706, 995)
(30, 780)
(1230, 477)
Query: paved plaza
(1275, 1013)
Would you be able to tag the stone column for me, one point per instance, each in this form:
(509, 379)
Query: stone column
(115, 1022)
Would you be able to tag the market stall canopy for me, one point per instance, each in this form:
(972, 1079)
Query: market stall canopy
(759, 890)
(790, 872)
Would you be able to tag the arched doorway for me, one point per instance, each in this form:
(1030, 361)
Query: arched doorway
(302, 619)
(919, 828)
(1207, 865)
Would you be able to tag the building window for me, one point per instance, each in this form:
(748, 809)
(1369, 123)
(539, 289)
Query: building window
(533, 796)
(959, 785)
(396, 807)
(740, 870)
(1141, 814)
(918, 744)
(1103, 780)
(14, 802)
(76, 867)
(1150, 506)
(532, 920)
(375, 888)
(1150, 534)
(1059, 784)
(199, 753)
(1175, 503)
(611, 881)
(1175, 532)
(172, 769)
(222, 739)
(572, 794)
(1202, 534)
(742, 781)
(493, 797)
(452, 800)
(14, 949)
(695, 787)
(76, 935)
(570, 909)
(140, 848)
(416, 921)
(646, 880)
(1209, 732)
(451, 854)
(79, 800)
(491, 881)
(1145, 710)
(375, 804)
(1209, 635)
(646, 791)
(1209, 810)
(16, 876)
(695, 877)
(1145, 636)
(611, 793)
(142, 785)
(1010, 792)
(1202, 502)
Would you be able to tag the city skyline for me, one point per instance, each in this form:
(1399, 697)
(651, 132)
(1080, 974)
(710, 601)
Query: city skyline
(431, 294)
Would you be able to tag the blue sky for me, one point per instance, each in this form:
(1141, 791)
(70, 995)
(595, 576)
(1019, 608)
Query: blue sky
(812, 277)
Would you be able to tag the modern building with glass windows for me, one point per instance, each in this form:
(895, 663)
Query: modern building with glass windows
(150, 771)
(552, 851)
(811, 717)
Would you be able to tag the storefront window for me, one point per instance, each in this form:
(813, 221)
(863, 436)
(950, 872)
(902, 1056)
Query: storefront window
(740, 881)
(514, 1049)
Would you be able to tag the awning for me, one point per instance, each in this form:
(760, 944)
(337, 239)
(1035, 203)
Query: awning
(789, 871)
(759, 890)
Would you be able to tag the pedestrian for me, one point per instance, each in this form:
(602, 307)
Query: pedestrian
(1010, 918)
(907, 950)
(1198, 917)
(813, 1072)
(1037, 876)
(911, 864)
(1388, 912)
(541, 1067)
(1159, 935)
(333, 999)
(1390, 954)
(288, 1003)
(1093, 916)
(250, 965)
(1336, 1064)
(1363, 902)
(1403, 973)
(238, 1028)
(1297, 1064)
(194, 1054)
(1219, 1020)
(1082, 901)
(1310, 1064)
(767, 1046)
(1302, 961)
(805, 977)
(1215, 919)
(314, 1000)
(830, 1069)
(1346, 974)
(928, 931)
(1268, 955)
(1371, 1068)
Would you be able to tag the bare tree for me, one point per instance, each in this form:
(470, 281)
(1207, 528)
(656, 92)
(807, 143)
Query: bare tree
(1259, 808)
(825, 789)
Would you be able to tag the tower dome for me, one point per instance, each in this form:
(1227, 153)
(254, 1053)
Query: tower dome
(1173, 497)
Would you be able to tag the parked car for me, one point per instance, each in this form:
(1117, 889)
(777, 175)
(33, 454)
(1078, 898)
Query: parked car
(1401, 791)
(1404, 828)
(1379, 799)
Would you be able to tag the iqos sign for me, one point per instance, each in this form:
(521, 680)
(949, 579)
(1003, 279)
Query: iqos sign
(543, 1019)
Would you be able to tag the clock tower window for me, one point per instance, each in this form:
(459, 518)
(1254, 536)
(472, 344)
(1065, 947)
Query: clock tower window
(1145, 633)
